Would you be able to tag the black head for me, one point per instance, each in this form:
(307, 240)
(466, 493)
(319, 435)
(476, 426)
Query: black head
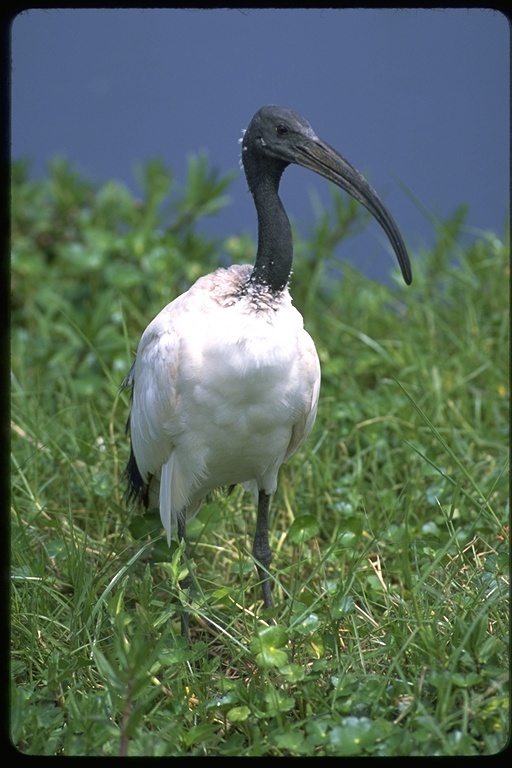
(275, 132)
(277, 136)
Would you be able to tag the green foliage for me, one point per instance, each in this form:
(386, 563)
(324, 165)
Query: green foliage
(389, 530)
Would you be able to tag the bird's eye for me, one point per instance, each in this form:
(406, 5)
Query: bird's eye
(281, 129)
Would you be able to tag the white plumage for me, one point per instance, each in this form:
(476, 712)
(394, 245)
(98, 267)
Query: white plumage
(225, 390)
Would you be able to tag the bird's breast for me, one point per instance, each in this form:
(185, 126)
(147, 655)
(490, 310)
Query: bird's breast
(241, 379)
(239, 407)
(238, 343)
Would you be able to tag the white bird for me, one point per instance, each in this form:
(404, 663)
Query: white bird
(226, 380)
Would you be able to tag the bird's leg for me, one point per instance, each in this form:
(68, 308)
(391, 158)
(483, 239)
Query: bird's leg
(187, 581)
(261, 548)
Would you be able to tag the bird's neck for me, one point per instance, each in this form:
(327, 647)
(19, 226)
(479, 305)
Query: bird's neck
(275, 245)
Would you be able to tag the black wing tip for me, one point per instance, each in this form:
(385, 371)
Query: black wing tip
(137, 490)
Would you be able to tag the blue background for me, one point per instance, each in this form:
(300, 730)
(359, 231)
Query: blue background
(414, 97)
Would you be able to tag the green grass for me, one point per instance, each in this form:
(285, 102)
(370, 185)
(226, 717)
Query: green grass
(389, 527)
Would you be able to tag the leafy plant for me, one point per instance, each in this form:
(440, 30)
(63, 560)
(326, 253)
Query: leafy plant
(390, 527)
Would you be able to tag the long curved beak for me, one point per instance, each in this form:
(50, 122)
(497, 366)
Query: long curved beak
(319, 157)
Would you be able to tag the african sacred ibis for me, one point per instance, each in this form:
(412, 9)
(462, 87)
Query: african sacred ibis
(226, 379)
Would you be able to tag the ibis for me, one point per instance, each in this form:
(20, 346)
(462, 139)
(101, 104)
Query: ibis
(226, 380)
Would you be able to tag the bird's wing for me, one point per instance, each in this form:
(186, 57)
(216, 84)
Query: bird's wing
(158, 373)
(310, 370)
(153, 420)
